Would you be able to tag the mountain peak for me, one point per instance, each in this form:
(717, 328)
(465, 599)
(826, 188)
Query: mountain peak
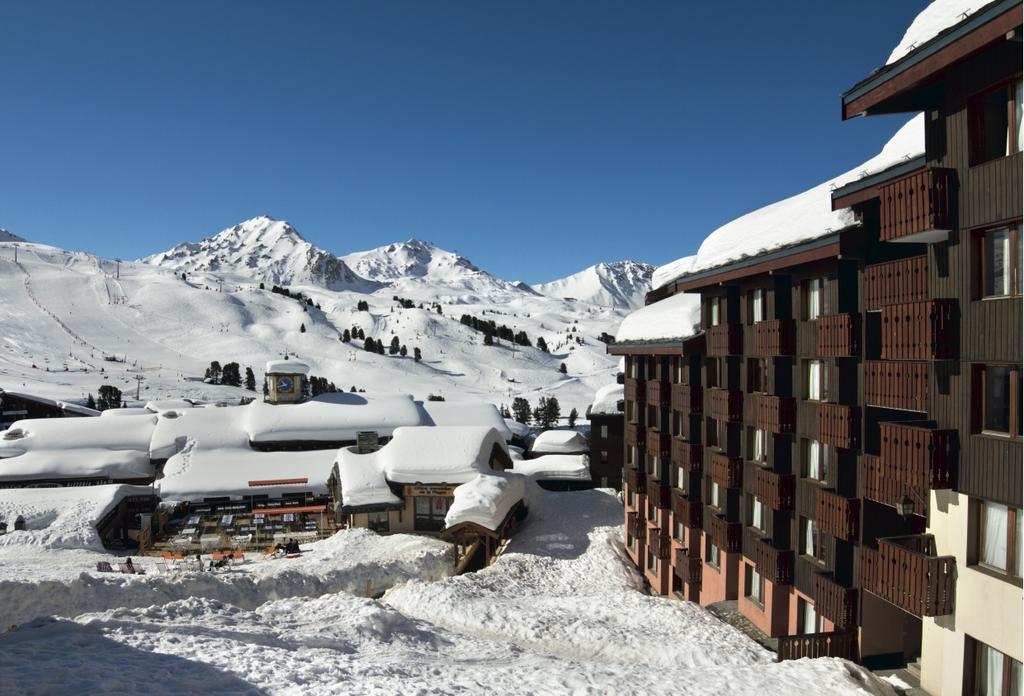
(6, 236)
(620, 284)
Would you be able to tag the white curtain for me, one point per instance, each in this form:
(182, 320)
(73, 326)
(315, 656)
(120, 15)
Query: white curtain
(714, 312)
(813, 459)
(714, 494)
(810, 619)
(813, 299)
(809, 538)
(993, 536)
(759, 445)
(758, 514)
(758, 305)
(814, 380)
(755, 586)
(1017, 99)
(1019, 571)
(997, 272)
(990, 672)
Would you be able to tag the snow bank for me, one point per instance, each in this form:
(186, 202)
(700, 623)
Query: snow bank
(560, 442)
(485, 500)
(566, 467)
(800, 218)
(933, 20)
(518, 429)
(607, 399)
(674, 318)
(60, 518)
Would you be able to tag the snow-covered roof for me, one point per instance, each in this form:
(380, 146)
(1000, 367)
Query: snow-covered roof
(575, 467)
(60, 518)
(466, 413)
(332, 417)
(485, 500)
(607, 399)
(933, 20)
(287, 367)
(62, 405)
(800, 218)
(560, 442)
(168, 405)
(211, 428)
(126, 412)
(518, 429)
(674, 318)
(363, 483)
(672, 270)
(43, 448)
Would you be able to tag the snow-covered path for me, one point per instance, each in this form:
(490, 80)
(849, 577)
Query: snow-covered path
(559, 612)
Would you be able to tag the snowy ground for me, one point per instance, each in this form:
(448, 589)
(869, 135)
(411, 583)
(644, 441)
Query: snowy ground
(559, 612)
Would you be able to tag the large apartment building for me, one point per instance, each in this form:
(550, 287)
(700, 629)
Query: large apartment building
(833, 437)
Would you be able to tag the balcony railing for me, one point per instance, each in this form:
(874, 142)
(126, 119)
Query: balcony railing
(659, 493)
(902, 385)
(883, 486)
(725, 339)
(688, 399)
(836, 603)
(776, 414)
(919, 204)
(906, 572)
(774, 337)
(725, 471)
(635, 390)
(837, 515)
(724, 405)
(637, 526)
(920, 330)
(775, 565)
(688, 568)
(838, 644)
(774, 490)
(660, 543)
(727, 536)
(838, 335)
(896, 282)
(687, 455)
(659, 444)
(839, 425)
(919, 456)
(658, 392)
(688, 512)
(636, 479)
(636, 436)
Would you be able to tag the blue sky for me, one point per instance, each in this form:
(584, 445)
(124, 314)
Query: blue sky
(535, 138)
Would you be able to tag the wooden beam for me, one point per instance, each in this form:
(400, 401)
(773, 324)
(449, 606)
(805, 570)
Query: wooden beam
(726, 275)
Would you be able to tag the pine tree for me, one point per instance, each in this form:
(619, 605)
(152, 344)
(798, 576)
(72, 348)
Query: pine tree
(109, 397)
(402, 351)
(370, 345)
(362, 306)
(395, 346)
(521, 410)
(562, 368)
(573, 415)
(231, 375)
(250, 379)
(488, 340)
(302, 328)
(362, 334)
(213, 372)
(416, 354)
(346, 336)
(552, 412)
(542, 345)
(90, 402)
(380, 347)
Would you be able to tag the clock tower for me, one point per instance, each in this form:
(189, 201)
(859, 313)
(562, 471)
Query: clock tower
(286, 381)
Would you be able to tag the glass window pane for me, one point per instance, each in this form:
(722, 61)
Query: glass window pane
(997, 398)
(814, 380)
(997, 262)
(993, 535)
(422, 505)
(813, 299)
(810, 618)
(990, 672)
(1016, 675)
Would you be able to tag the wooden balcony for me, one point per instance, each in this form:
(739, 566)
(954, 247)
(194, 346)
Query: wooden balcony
(777, 491)
(775, 565)
(727, 536)
(837, 515)
(636, 436)
(689, 512)
(917, 455)
(658, 393)
(902, 385)
(774, 337)
(838, 644)
(659, 493)
(636, 479)
(920, 207)
(839, 425)
(660, 543)
(920, 330)
(838, 335)
(687, 455)
(836, 603)
(636, 526)
(724, 405)
(725, 339)
(687, 399)
(659, 444)
(635, 390)
(688, 568)
(776, 414)
(896, 282)
(906, 572)
(727, 472)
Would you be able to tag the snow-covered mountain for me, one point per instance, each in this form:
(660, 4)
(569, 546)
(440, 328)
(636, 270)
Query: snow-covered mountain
(620, 284)
(264, 249)
(6, 236)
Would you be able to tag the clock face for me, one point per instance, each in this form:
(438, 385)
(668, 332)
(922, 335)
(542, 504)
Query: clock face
(284, 384)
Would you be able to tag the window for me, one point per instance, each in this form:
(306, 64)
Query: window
(711, 432)
(816, 380)
(810, 539)
(757, 311)
(998, 397)
(755, 586)
(758, 516)
(652, 465)
(712, 555)
(999, 532)
(757, 374)
(714, 311)
(814, 298)
(378, 522)
(995, 123)
(991, 673)
(712, 372)
(604, 432)
(758, 445)
(681, 479)
(430, 512)
(817, 459)
(716, 495)
(680, 532)
(631, 455)
(999, 261)
(652, 561)
(652, 510)
(808, 617)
